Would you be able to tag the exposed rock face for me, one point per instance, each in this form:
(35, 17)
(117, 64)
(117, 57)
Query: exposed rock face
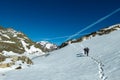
(63, 44)
(11, 40)
(93, 34)
(2, 57)
(13, 60)
(18, 67)
(15, 48)
(5, 65)
(22, 58)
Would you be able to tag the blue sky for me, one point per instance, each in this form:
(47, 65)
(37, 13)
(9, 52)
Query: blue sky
(48, 19)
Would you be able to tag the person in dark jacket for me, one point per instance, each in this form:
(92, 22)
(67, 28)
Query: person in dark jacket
(86, 51)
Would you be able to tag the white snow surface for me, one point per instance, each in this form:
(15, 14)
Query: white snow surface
(32, 49)
(113, 27)
(47, 44)
(103, 62)
(10, 53)
(4, 35)
(24, 45)
(8, 42)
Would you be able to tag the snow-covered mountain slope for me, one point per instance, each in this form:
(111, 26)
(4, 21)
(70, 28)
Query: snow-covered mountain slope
(16, 47)
(47, 46)
(100, 32)
(103, 62)
(11, 40)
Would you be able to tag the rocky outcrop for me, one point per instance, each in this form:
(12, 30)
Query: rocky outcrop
(14, 59)
(2, 57)
(5, 65)
(16, 48)
(101, 32)
(21, 58)
(17, 42)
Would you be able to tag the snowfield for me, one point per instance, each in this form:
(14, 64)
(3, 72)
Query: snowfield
(103, 62)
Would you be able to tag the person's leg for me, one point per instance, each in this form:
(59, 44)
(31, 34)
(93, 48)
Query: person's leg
(87, 53)
(84, 52)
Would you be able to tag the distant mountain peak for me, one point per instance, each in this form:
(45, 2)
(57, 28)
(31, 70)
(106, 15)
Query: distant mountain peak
(47, 46)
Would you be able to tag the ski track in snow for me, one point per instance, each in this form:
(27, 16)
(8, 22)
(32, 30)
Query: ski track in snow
(101, 69)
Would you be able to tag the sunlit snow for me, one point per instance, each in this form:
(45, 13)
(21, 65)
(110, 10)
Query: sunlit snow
(103, 62)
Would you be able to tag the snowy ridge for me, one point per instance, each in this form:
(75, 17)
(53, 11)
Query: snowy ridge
(103, 62)
(47, 46)
(116, 26)
(101, 32)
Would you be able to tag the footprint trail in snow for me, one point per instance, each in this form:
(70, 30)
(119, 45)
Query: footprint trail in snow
(101, 69)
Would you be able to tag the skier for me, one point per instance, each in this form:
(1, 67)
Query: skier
(86, 51)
